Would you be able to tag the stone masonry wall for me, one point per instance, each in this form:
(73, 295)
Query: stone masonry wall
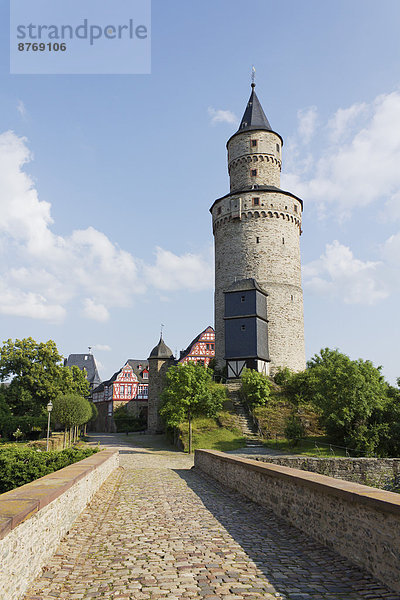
(368, 471)
(35, 517)
(157, 371)
(358, 522)
(265, 157)
(263, 243)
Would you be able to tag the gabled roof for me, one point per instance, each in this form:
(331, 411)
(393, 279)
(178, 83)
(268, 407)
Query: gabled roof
(134, 363)
(254, 117)
(87, 362)
(185, 353)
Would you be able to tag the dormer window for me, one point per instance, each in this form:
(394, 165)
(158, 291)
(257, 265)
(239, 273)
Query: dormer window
(145, 375)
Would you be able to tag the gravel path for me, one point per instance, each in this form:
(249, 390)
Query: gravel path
(158, 529)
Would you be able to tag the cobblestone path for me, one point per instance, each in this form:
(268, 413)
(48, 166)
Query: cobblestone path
(157, 529)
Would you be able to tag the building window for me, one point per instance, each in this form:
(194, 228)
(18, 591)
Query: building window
(254, 143)
(283, 240)
(257, 240)
(219, 210)
(145, 375)
(291, 297)
(256, 201)
(242, 298)
(122, 390)
(277, 148)
(129, 390)
(254, 172)
(243, 327)
(295, 208)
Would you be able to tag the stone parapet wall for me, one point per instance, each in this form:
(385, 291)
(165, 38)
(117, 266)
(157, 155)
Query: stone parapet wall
(368, 471)
(358, 522)
(35, 517)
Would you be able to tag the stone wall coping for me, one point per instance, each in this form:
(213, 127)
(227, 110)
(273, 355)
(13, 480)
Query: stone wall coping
(21, 503)
(388, 502)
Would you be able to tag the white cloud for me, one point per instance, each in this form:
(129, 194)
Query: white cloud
(338, 274)
(21, 109)
(221, 116)
(97, 312)
(102, 347)
(357, 162)
(43, 272)
(307, 123)
(172, 272)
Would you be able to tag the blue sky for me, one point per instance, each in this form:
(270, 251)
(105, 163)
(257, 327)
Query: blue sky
(106, 180)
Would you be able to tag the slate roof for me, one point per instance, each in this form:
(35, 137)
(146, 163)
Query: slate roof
(134, 363)
(161, 350)
(242, 285)
(87, 362)
(254, 117)
(185, 353)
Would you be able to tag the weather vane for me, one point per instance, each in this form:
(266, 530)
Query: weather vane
(162, 327)
(253, 76)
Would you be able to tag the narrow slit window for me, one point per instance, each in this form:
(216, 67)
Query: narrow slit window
(277, 148)
(295, 208)
(256, 201)
(283, 240)
(254, 172)
(254, 143)
(257, 240)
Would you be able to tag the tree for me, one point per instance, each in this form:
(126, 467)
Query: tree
(255, 388)
(190, 392)
(350, 395)
(71, 411)
(37, 375)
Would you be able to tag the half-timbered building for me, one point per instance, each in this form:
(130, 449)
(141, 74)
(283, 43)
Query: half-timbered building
(200, 350)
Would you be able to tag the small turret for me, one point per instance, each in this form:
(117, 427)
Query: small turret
(160, 360)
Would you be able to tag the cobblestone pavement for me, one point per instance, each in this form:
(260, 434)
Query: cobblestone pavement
(157, 529)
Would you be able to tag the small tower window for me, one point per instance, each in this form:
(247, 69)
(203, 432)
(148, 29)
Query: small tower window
(254, 143)
(242, 298)
(277, 148)
(283, 240)
(295, 208)
(256, 201)
(254, 172)
(257, 240)
(291, 297)
(219, 210)
(243, 327)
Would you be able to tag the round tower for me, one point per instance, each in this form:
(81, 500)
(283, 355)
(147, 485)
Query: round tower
(160, 360)
(257, 229)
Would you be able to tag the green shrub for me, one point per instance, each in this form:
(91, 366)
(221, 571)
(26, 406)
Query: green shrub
(20, 465)
(30, 426)
(294, 430)
(256, 388)
(125, 422)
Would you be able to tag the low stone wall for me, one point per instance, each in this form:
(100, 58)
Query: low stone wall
(368, 471)
(356, 521)
(36, 516)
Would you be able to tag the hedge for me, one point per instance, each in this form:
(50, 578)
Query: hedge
(20, 465)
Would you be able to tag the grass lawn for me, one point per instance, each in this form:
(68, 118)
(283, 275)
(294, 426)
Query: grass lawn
(208, 434)
(307, 447)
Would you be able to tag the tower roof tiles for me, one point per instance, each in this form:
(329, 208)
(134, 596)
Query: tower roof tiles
(254, 117)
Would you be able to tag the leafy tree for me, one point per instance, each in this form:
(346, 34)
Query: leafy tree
(255, 388)
(71, 411)
(190, 392)
(38, 375)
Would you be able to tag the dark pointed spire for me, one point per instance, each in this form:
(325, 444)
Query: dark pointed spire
(161, 350)
(254, 116)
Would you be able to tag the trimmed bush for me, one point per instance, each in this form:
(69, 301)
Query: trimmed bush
(20, 465)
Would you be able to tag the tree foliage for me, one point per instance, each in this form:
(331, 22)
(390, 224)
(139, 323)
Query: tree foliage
(71, 410)
(37, 375)
(190, 392)
(358, 407)
(255, 388)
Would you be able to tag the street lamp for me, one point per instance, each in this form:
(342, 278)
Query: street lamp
(49, 409)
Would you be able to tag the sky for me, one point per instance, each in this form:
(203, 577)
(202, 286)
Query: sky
(106, 180)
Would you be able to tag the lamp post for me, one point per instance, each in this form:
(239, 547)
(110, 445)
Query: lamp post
(49, 409)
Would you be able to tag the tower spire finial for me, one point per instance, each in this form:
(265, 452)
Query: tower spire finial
(161, 332)
(253, 77)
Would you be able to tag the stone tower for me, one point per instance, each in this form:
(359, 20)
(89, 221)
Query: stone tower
(160, 360)
(257, 229)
